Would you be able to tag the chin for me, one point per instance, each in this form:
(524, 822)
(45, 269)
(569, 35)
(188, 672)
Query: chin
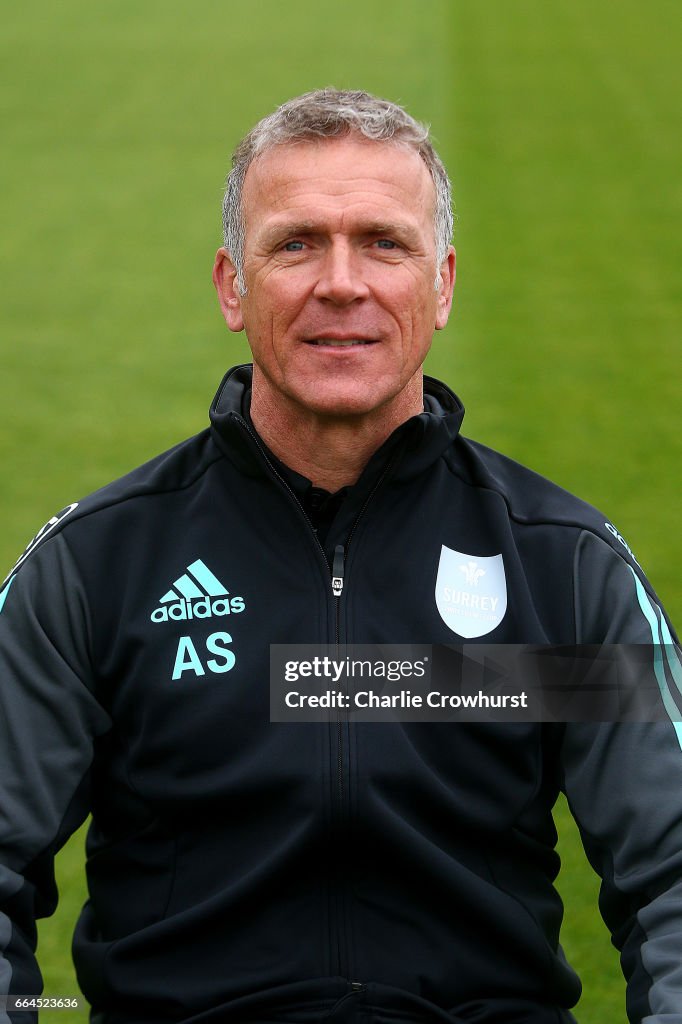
(340, 403)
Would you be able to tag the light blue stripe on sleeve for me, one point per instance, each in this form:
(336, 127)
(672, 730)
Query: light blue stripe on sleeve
(671, 653)
(5, 592)
(659, 671)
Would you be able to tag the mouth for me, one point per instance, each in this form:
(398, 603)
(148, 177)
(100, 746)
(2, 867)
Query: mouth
(339, 342)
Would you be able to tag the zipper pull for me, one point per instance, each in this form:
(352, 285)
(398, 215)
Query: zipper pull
(337, 571)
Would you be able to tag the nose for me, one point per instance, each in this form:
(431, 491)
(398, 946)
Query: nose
(340, 278)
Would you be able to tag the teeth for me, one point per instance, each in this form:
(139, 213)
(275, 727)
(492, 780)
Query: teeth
(345, 343)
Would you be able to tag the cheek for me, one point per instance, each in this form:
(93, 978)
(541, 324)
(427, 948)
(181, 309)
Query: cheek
(416, 315)
(268, 312)
(411, 295)
(282, 299)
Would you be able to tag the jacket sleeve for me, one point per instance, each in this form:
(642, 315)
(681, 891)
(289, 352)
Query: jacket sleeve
(623, 782)
(49, 719)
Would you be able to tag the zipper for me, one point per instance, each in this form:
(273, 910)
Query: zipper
(338, 580)
(337, 587)
(337, 577)
(338, 573)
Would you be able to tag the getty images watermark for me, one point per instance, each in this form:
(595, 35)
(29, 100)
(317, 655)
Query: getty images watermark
(473, 683)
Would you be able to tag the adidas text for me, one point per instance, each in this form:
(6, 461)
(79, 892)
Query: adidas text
(196, 594)
(203, 608)
(621, 540)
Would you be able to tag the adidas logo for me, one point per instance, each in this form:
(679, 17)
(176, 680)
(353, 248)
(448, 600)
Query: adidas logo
(197, 594)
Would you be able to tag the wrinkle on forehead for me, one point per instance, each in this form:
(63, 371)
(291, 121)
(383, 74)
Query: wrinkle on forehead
(308, 157)
(313, 177)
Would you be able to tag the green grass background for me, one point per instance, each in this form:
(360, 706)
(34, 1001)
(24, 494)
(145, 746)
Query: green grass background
(561, 126)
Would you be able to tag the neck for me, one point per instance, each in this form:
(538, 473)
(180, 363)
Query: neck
(331, 451)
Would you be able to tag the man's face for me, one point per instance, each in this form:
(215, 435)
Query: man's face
(340, 271)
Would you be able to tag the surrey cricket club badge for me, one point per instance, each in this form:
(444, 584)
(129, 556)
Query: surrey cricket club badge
(471, 592)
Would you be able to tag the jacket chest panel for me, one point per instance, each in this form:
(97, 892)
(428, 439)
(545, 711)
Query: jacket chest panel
(439, 562)
(186, 653)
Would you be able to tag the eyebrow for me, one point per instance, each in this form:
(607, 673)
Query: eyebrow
(285, 229)
(310, 227)
(389, 227)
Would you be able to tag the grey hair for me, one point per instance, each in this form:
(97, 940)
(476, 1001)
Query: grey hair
(329, 113)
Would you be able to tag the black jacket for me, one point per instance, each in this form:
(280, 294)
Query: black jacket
(241, 870)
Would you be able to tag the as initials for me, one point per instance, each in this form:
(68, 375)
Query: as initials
(188, 660)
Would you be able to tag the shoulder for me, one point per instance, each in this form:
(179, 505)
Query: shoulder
(609, 583)
(172, 471)
(531, 498)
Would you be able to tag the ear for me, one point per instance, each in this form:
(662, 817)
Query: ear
(229, 297)
(447, 274)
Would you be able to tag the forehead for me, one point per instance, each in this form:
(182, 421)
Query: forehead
(349, 175)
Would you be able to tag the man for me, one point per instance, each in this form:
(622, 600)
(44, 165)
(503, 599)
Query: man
(242, 870)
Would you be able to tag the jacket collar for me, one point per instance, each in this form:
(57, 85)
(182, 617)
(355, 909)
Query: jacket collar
(417, 443)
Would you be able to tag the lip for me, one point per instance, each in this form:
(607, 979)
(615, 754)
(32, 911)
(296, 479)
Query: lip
(340, 342)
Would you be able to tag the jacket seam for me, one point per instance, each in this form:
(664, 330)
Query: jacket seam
(516, 516)
(547, 521)
(143, 493)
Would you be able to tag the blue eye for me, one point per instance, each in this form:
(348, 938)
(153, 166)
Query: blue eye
(293, 246)
(386, 243)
